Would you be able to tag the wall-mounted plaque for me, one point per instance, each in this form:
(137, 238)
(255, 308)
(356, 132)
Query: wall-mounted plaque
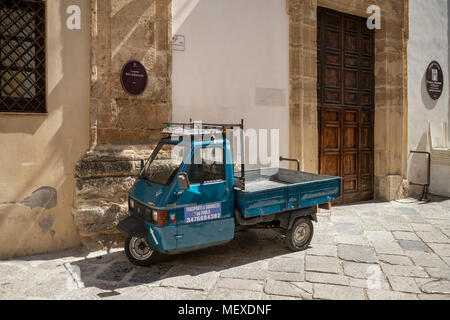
(434, 80)
(134, 78)
(178, 42)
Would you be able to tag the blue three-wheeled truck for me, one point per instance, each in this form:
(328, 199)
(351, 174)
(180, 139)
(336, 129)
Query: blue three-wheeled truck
(188, 196)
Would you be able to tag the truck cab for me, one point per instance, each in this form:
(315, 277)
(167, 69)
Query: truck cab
(199, 212)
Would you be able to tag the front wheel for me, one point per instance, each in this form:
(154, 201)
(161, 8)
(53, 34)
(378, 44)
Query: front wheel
(300, 235)
(139, 252)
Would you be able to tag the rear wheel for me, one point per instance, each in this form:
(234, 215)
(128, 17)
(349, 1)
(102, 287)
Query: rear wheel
(139, 252)
(300, 235)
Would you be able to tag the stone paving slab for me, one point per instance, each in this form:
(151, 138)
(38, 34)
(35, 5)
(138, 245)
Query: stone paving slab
(403, 235)
(372, 284)
(377, 236)
(356, 253)
(388, 247)
(407, 271)
(395, 260)
(403, 284)
(322, 250)
(439, 287)
(332, 292)
(357, 240)
(233, 294)
(322, 264)
(240, 284)
(398, 250)
(286, 276)
(285, 289)
(379, 294)
(438, 273)
(327, 278)
(429, 260)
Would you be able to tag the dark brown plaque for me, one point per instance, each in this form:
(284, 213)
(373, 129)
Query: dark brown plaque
(134, 78)
(434, 80)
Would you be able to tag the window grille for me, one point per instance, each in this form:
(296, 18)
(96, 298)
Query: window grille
(22, 56)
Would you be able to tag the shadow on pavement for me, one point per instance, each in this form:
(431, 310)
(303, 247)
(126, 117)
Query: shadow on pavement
(113, 271)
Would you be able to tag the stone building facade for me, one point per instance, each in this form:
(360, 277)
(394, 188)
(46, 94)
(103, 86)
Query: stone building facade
(85, 151)
(391, 105)
(122, 30)
(123, 129)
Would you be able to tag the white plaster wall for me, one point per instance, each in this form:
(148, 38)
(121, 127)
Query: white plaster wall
(233, 47)
(429, 40)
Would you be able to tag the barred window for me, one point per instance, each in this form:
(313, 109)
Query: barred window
(22, 56)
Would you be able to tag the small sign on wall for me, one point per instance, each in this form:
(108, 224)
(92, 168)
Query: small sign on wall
(178, 42)
(270, 97)
(434, 80)
(134, 78)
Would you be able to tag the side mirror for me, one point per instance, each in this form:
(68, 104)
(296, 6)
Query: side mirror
(183, 181)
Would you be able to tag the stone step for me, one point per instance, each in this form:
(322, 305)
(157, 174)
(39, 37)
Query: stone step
(112, 162)
(97, 221)
(114, 189)
(104, 178)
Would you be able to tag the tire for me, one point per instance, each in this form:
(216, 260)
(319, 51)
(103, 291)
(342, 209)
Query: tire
(300, 235)
(139, 252)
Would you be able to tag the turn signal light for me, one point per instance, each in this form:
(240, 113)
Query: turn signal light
(163, 219)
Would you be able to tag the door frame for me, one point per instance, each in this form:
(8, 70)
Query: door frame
(391, 116)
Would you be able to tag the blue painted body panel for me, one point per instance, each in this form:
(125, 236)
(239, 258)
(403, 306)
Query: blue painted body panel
(286, 198)
(163, 238)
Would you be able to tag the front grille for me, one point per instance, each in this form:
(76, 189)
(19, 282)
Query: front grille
(141, 211)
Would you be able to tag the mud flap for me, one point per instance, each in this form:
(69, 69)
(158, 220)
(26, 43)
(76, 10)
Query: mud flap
(132, 227)
(310, 213)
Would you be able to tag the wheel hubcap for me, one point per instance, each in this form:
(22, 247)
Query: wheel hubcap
(139, 249)
(301, 234)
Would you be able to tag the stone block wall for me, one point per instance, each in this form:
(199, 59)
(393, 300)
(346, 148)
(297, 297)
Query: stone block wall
(104, 177)
(122, 30)
(123, 129)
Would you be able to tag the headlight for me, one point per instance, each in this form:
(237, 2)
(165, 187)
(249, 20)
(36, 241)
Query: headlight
(155, 215)
(131, 204)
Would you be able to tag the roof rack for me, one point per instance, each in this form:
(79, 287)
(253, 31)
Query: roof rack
(200, 125)
(198, 128)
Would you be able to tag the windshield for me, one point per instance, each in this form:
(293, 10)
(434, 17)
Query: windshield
(164, 163)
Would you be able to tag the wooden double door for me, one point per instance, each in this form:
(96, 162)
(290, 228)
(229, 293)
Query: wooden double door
(346, 102)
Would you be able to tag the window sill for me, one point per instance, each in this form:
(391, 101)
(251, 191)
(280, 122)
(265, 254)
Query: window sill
(23, 114)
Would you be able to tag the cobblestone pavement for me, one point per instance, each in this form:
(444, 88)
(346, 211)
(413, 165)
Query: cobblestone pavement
(397, 250)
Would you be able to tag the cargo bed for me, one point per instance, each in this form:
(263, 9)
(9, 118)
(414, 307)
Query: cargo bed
(270, 190)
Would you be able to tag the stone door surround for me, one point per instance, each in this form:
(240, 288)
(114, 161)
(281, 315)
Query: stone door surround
(390, 88)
